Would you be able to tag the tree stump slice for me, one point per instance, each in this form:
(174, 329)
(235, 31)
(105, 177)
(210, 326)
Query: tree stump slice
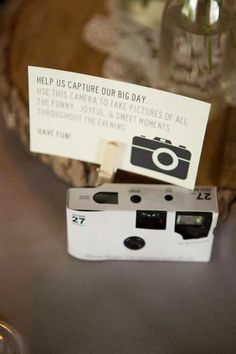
(45, 33)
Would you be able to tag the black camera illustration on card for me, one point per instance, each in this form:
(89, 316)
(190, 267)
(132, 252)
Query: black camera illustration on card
(160, 155)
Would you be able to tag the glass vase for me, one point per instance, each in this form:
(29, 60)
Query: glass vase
(194, 46)
(10, 340)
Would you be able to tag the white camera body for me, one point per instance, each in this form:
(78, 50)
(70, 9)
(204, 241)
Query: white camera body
(141, 222)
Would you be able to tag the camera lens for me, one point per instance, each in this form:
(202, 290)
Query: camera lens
(134, 243)
(165, 159)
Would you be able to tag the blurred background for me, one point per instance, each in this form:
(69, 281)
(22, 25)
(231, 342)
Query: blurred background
(62, 305)
(183, 46)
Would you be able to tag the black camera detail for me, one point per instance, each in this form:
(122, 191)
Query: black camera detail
(193, 225)
(135, 198)
(160, 155)
(134, 243)
(151, 219)
(106, 198)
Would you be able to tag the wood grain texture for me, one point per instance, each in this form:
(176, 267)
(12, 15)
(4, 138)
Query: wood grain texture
(228, 168)
(48, 33)
(212, 156)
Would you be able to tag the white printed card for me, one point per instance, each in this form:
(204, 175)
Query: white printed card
(73, 115)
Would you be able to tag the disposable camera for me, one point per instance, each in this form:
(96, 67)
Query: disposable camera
(141, 222)
(160, 155)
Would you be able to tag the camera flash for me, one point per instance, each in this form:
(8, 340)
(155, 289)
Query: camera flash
(190, 220)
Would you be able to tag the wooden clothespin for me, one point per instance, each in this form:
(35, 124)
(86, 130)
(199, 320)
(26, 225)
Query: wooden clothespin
(108, 167)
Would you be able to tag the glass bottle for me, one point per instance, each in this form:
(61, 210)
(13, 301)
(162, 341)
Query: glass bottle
(194, 41)
(10, 341)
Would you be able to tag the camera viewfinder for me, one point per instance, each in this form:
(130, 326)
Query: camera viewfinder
(151, 219)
